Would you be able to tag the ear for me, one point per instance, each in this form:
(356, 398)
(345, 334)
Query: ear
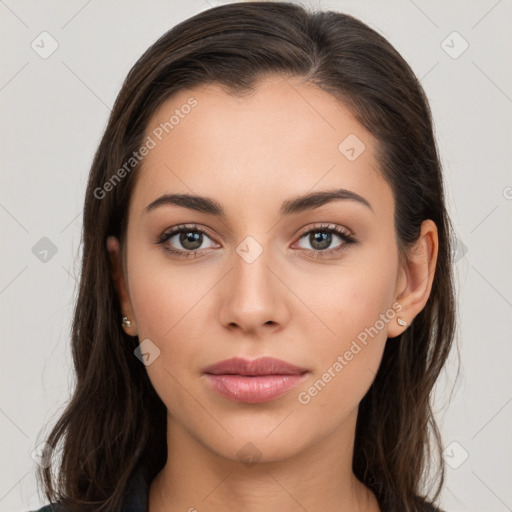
(118, 278)
(415, 277)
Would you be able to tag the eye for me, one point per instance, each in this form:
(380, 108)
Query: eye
(187, 240)
(321, 239)
(184, 240)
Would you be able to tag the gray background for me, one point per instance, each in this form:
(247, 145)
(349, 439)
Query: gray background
(54, 111)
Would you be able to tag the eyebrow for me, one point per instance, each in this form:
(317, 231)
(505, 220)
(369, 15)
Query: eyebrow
(289, 207)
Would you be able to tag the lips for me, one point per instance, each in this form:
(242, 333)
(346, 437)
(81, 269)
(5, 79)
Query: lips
(262, 366)
(256, 381)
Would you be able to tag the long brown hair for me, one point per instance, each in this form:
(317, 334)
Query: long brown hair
(114, 423)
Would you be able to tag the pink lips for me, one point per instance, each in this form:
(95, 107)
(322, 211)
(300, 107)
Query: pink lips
(260, 380)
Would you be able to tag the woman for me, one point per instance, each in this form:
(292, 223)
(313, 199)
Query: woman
(266, 296)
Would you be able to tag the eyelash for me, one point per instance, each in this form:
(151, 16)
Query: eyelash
(347, 239)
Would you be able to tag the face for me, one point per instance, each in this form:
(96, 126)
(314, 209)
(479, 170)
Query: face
(312, 283)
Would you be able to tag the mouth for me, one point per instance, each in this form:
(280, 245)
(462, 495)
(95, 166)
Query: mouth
(256, 381)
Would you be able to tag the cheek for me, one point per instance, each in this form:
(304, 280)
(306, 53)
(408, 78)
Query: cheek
(346, 362)
(165, 300)
(355, 309)
(350, 297)
(165, 294)
(168, 305)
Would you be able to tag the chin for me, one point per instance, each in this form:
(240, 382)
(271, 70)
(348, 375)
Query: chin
(261, 443)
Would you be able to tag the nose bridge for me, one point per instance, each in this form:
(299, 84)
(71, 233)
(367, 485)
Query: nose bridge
(252, 278)
(252, 296)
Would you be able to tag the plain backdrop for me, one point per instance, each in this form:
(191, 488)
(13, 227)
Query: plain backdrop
(54, 110)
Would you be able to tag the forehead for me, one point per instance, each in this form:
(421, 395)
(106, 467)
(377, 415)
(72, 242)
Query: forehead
(284, 136)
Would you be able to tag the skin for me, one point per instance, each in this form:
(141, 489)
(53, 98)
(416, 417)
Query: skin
(250, 154)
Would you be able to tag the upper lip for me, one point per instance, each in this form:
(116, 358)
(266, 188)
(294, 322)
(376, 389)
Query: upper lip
(262, 366)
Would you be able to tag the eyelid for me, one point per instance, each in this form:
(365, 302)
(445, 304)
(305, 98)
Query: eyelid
(326, 226)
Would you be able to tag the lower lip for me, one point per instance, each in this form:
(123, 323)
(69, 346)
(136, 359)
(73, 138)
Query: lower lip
(253, 389)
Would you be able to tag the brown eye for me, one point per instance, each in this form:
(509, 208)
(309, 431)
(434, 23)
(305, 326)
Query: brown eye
(185, 240)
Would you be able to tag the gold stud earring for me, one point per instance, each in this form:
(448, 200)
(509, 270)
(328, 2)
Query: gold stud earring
(401, 322)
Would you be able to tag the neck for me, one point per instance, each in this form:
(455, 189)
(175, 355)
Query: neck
(317, 478)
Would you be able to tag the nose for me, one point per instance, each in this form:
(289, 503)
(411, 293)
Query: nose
(253, 298)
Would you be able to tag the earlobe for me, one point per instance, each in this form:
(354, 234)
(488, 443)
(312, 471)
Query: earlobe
(128, 320)
(417, 275)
